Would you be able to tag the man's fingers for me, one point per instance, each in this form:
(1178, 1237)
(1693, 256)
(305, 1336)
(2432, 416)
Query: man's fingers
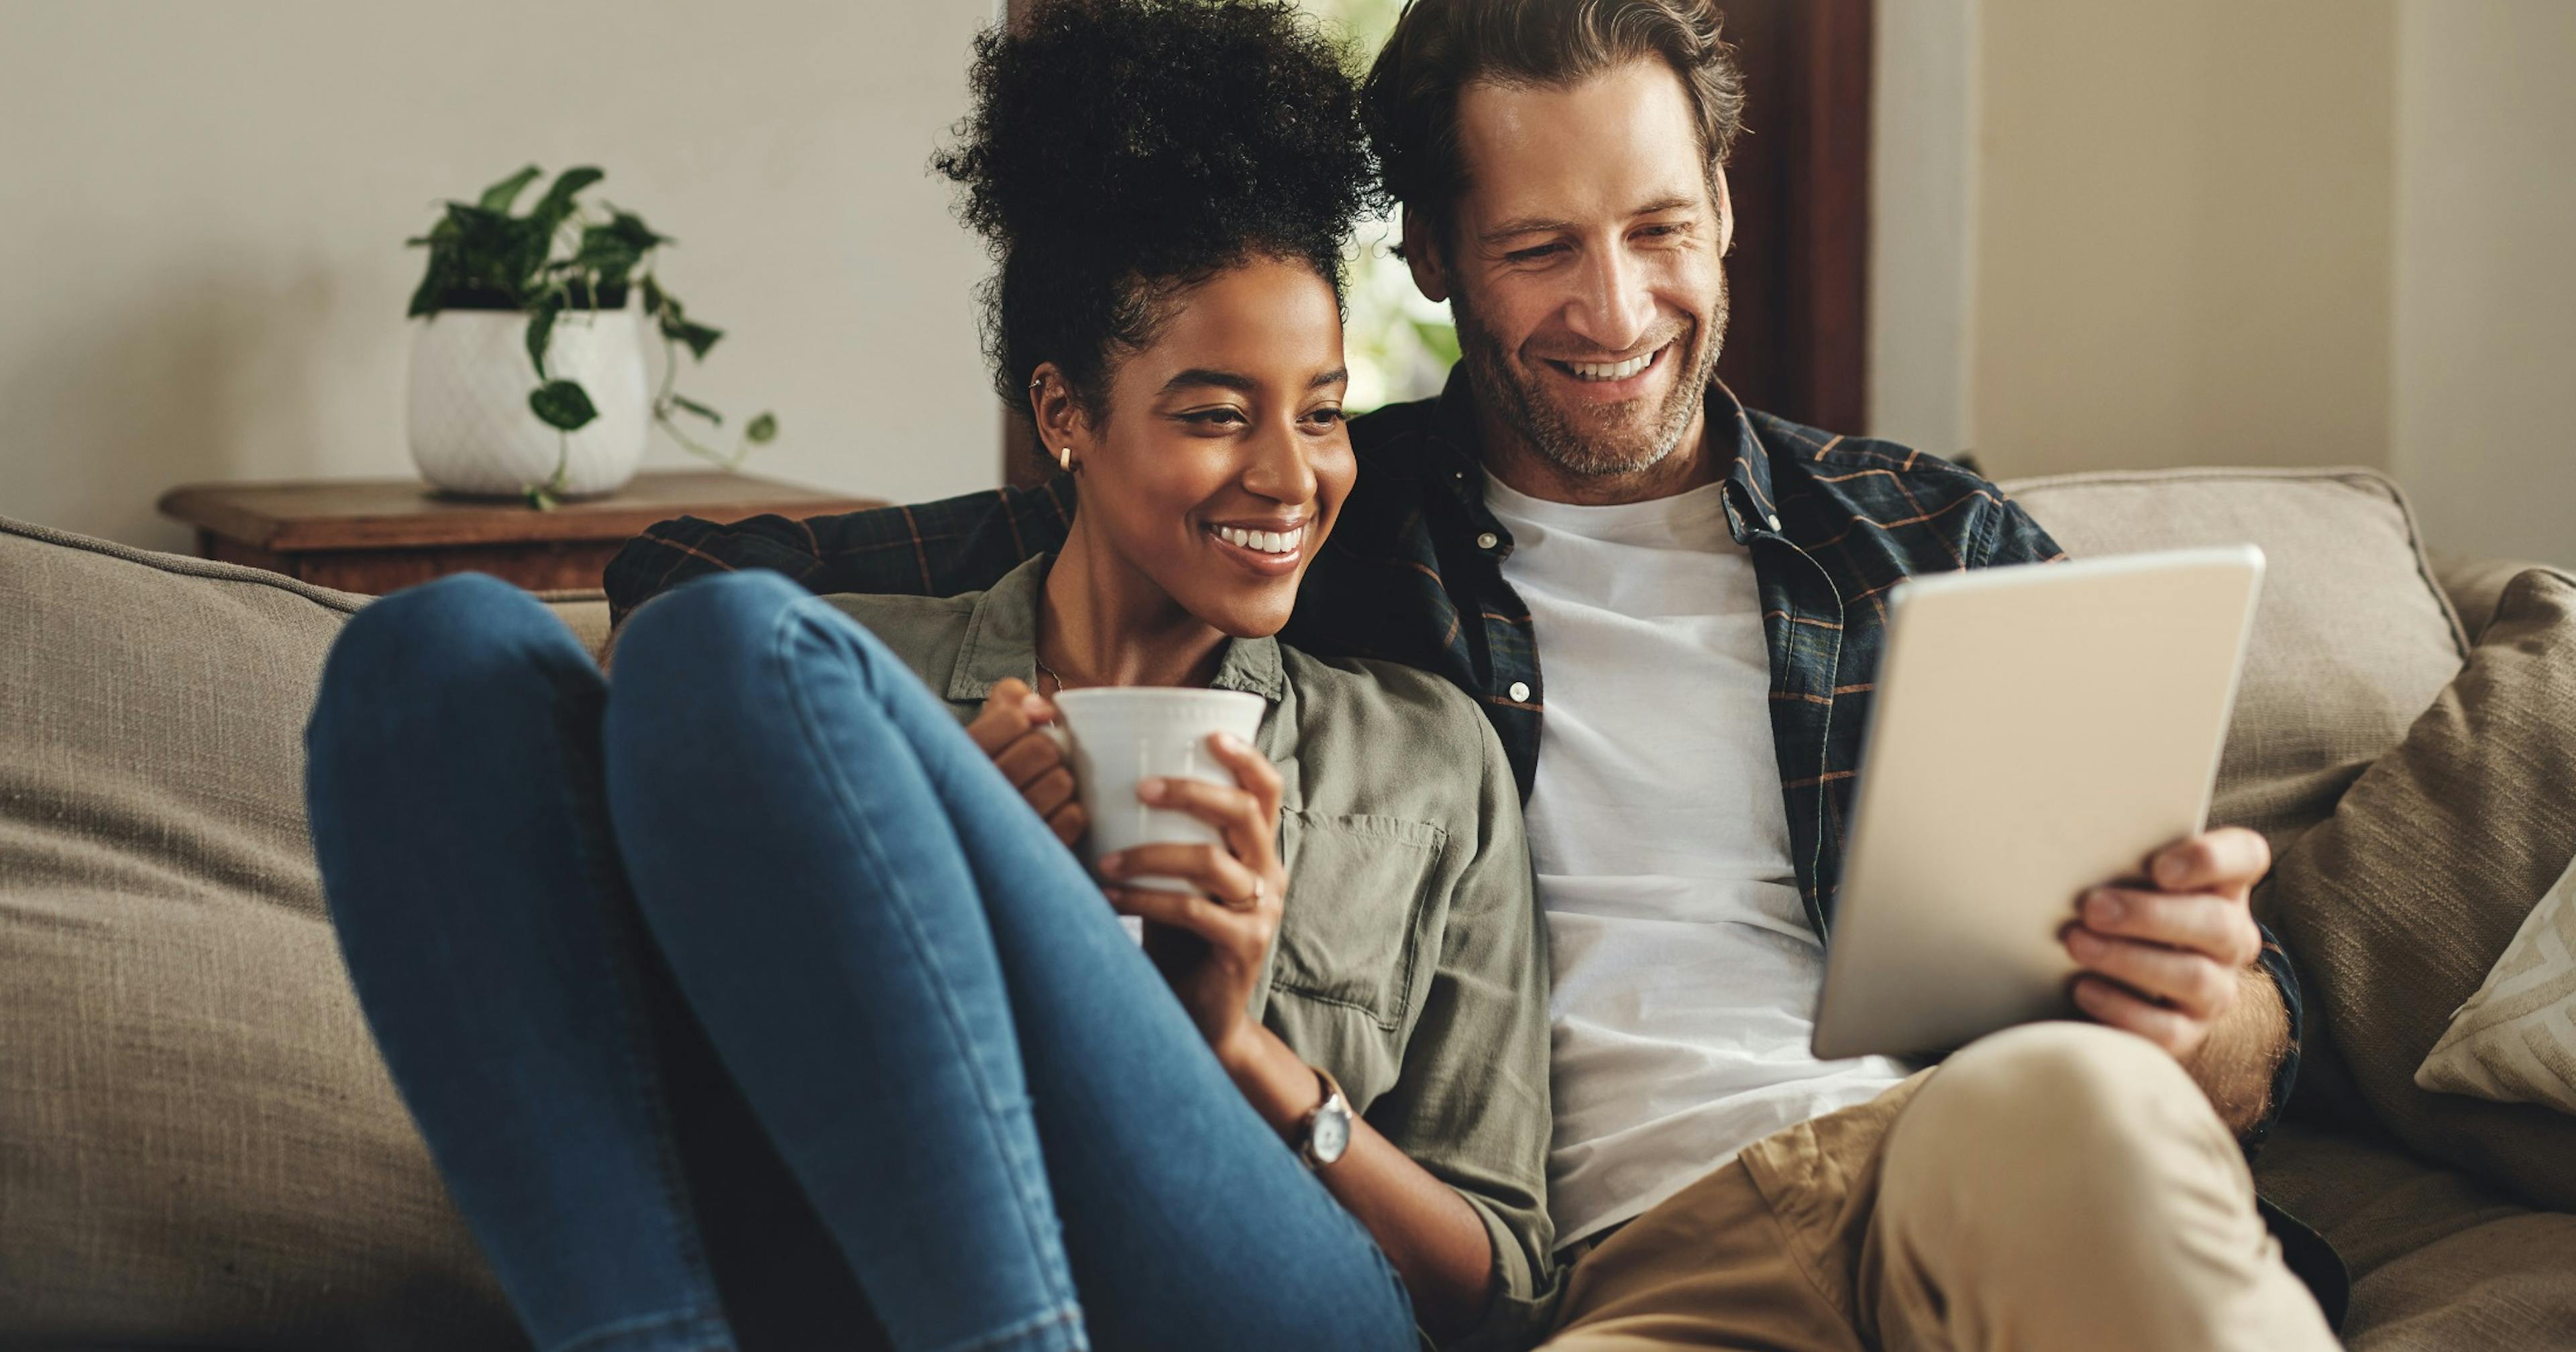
(1068, 822)
(2229, 859)
(2107, 1004)
(2216, 926)
(2195, 985)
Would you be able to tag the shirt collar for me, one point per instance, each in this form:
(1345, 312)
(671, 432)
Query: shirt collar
(1752, 506)
(1002, 642)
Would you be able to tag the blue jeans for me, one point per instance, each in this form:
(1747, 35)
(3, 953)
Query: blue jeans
(745, 994)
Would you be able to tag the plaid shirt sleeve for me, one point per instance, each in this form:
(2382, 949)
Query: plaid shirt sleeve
(2018, 539)
(942, 548)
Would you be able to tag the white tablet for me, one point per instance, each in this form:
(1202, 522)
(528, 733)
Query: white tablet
(2037, 730)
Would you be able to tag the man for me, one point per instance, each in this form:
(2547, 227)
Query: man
(1704, 588)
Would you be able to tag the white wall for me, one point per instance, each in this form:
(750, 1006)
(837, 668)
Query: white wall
(2485, 358)
(2111, 235)
(2183, 244)
(204, 275)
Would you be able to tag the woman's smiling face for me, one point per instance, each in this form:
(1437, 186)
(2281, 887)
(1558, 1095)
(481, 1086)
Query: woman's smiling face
(1223, 459)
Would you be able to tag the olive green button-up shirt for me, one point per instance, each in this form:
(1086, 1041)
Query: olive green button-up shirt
(1411, 960)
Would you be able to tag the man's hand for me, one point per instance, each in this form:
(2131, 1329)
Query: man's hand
(2165, 958)
(1011, 728)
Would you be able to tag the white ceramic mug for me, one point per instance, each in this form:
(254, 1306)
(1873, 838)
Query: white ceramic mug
(1115, 736)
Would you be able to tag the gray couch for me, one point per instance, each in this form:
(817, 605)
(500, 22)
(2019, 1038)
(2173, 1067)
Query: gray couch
(198, 1146)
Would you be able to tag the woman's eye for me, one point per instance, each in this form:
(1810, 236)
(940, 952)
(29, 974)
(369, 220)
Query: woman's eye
(1324, 418)
(1213, 417)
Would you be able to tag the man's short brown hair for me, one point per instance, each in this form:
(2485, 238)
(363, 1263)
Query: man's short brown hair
(1441, 46)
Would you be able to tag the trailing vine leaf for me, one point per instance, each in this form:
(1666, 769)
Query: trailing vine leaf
(500, 195)
(607, 251)
(652, 295)
(761, 430)
(551, 209)
(541, 323)
(698, 337)
(562, 404)
(631, 228)
(701, 410)
(434, 285)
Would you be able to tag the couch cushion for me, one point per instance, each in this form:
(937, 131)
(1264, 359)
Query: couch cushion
(2398, 906)
(198, 1144)
(2352, 640)
(2439, 1263)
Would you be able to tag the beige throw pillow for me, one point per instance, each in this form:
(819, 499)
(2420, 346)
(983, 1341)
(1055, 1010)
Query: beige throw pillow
(2398, 906)
(2515, 1040)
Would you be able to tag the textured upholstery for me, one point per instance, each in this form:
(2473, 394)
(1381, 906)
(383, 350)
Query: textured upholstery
(2399, 905)
(197, 1141)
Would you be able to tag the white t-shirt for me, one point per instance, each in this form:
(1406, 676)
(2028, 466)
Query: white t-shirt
(1686, 971)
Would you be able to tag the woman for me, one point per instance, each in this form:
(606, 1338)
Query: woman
(751, 972)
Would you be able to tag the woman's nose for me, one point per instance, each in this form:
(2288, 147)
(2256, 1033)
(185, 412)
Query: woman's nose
(1281, 470)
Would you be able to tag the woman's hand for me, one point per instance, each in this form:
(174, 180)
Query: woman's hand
(1211, 943)
(1012, 729)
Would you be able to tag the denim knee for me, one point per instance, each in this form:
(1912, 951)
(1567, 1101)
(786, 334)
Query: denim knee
(451, 642)
(718, 633)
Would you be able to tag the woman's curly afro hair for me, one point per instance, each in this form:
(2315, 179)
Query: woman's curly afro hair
(1120, 151)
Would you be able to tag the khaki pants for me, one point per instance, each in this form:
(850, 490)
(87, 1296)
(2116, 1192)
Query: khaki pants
(2059, 1185)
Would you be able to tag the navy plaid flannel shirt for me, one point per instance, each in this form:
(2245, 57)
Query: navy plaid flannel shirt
(1412, 573)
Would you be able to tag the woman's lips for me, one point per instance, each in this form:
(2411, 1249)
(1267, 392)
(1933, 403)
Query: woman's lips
(1268, 553)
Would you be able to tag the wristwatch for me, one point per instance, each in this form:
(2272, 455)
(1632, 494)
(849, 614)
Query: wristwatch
(1326, 1132)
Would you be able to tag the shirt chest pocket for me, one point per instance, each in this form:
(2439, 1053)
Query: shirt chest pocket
(1351, 930)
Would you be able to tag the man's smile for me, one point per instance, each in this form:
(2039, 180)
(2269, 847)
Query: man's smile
(1610, 381)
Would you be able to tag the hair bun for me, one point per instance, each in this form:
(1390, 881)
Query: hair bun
(1118, 124)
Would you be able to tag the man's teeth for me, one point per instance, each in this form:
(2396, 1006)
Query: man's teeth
(1619, 370)
(1264, 541)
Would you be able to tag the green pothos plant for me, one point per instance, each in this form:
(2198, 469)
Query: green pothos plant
(565, 254)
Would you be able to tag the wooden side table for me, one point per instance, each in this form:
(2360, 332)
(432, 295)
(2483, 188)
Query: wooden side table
(377, 536)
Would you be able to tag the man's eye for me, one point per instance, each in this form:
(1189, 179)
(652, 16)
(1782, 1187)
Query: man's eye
(1533, 253)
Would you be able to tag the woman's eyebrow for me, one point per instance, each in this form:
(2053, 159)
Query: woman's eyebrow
(1201, 375)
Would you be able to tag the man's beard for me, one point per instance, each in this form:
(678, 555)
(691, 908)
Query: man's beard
(1518, 397)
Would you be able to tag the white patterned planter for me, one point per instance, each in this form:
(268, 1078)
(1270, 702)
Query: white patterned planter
(471, 428)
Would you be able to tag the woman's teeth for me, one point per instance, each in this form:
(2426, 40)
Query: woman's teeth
(1263, 541)
(1619, 370)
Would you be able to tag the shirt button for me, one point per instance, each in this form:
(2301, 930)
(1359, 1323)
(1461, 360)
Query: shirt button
(1772, 521)
(1520, 692)
(1488, 540)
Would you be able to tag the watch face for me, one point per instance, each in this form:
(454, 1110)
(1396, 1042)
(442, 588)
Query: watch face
(1332, 1132)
